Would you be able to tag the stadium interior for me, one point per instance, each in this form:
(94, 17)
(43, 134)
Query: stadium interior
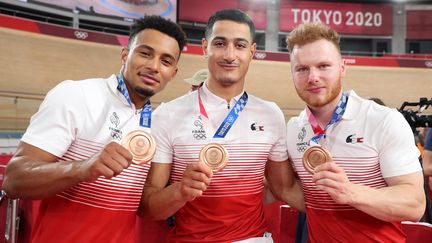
(43, 43)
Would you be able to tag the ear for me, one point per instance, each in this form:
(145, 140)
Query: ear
(204, 45)
(343, 67)
(175, 72)
(124, 54)
(253, 50)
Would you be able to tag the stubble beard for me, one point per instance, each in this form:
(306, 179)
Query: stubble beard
(227, 82)
(227, 79)
(144, 92)
(312, 101)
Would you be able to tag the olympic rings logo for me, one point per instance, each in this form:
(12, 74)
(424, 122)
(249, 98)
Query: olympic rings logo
(301, 149)
(80, 34)
(199, 136)
(260, 55)
(116, 135)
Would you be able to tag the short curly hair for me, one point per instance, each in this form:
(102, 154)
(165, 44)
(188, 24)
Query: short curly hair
(311, 32)
(160, 24)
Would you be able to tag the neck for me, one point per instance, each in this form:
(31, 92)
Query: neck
(137, 100)
(140, 103)
(323, 114)
(226, 92)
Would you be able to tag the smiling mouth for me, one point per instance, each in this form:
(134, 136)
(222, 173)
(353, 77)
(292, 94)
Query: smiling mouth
(315, 89)
(148, 79)
(229, 66)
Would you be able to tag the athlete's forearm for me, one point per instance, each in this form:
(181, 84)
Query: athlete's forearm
(25, 178)
(294, 196)
(161, 204)
(393, 203)
(284, 185)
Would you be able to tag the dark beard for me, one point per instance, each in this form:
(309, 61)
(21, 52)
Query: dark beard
(144, 92)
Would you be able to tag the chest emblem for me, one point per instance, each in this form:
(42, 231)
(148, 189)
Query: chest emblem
(115, 132)
(199, 133)
(354, 139)
(301, 144)
(256, 127)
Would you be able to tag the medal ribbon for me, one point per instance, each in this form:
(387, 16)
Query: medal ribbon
(145, 117)
(229, 120)
(337, 115)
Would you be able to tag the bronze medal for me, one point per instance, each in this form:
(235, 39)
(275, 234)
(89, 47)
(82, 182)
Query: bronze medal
(141, 145)
(315, 156)
(214, 156)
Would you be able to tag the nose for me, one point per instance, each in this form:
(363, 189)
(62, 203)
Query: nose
(153, 64)
(313, 75)
(229, 53)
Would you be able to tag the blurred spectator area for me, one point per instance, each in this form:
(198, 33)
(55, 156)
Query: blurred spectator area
(368, 28)
(61, 43)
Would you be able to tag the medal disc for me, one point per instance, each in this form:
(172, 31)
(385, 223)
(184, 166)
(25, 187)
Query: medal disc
(141, 145)
(215, 156)
(315, 156)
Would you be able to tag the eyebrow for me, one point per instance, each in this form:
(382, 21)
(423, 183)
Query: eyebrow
(153, 50)
(299, 65)
(224, 38)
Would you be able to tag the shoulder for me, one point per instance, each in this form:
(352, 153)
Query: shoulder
(178, 105)
(97, 84)
(264, 108)
(79, 94)
(263, 104)
(189, 97)
(297, 120)
(376, 116)
(69, 86)
(65, 92)
(359, 108)
(380, 112)
(183, 100)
